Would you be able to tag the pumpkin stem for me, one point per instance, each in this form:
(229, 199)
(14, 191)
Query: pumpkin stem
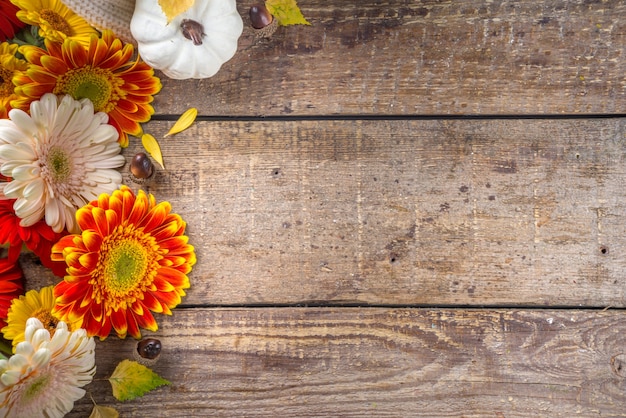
(192, 30)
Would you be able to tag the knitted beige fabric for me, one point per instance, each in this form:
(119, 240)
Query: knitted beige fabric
(106, 14)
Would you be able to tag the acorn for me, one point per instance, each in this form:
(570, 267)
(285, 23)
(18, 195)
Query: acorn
(148, 351)
(262, 21)
(141, 168)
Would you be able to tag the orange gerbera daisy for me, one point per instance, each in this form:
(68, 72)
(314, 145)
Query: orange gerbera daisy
(131, 258)
(103, 73)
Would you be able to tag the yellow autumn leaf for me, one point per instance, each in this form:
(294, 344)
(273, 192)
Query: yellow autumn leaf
(104, 412)
(173, 8)
(286, 12)
(184, 122)
(152, 147)
(131, 380)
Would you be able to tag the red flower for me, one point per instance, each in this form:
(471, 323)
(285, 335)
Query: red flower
(9, 23)
(11, 286)
(39, 238)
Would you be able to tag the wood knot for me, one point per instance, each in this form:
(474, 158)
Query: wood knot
(618, 364)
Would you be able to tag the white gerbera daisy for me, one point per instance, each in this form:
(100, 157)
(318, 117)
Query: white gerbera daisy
(45, 376)
(60, 157)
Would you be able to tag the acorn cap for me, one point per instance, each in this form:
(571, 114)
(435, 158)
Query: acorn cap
(106, 14)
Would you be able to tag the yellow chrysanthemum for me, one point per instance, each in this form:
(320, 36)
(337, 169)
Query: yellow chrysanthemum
(132, 258)
(34, 304)
(9, 67)
(55, 20)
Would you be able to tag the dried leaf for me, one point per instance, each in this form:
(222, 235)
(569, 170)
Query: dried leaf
(286, 12)
(131, 380)
(152, 147)
(173, 8)
(184, 121)
(104, 412)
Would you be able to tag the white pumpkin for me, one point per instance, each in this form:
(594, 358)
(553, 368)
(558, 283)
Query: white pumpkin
(194, 44)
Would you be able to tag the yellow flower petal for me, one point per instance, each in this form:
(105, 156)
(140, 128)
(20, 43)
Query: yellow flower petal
(184, 122)
(152, 147)
(173, 8)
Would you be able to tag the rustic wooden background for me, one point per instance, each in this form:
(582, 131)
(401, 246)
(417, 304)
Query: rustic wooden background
(404, 209)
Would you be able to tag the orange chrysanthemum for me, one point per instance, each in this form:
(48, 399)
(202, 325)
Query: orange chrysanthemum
(103, 73)
(131, 258)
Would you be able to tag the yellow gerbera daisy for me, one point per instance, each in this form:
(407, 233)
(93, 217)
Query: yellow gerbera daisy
(55, 20)
(9, 67)
(37, 304)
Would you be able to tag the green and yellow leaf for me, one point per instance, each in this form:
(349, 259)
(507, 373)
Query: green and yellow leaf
(286, 12)
(152, 147)
(184, 122)
(131, 380)
(173, 8)
(104, 412)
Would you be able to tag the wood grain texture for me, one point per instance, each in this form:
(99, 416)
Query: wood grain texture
(497, 213)
(379, 362)
(426, 57)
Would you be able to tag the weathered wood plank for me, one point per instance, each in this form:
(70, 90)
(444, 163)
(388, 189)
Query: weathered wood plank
(427, 57)
(378, 362)
(498, 213)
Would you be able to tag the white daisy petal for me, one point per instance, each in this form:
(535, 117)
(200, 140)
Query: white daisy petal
(63, 153)
(8, 133)
(31, 218)
(19, 361)
(105, 135)
(14, 189)
(23, 172)
(23, 121)
(10, 378)
(41, 356)
(53, 214)
(19, 151)
(34, 189)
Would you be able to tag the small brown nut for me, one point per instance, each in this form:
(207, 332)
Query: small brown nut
(141, 168)
(260, 17)
(148, 351)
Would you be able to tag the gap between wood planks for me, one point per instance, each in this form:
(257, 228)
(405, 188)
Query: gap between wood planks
(398, 306)
(296, 118)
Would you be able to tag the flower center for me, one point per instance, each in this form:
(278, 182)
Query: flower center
(6, 86)
(59, 164)
(36, 387)
(128, 264)
(96, 84)
(56, 21)
(45, 316)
